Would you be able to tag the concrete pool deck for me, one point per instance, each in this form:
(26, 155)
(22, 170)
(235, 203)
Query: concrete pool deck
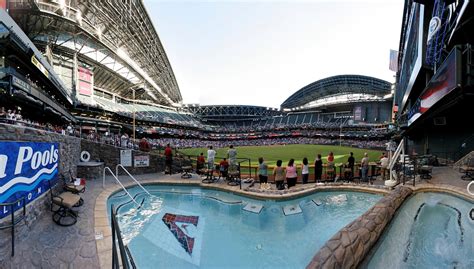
(88, 244)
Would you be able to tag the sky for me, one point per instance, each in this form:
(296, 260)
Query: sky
(261, 52)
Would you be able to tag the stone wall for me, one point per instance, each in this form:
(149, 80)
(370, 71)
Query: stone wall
(110, 155)
(69, 157)
(348, 247)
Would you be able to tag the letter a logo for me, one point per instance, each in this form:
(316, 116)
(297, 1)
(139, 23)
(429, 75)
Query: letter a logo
(178, 225)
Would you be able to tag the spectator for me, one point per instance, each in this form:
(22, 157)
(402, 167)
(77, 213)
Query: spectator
(262, 171)
(3, 114)
(124, 140)
(279, 175)
(291, 174)
(350, 166)
(70, 130)
(168, 159)
(318, 168)
(224, 168)
(200, 163)
(232, 155)
(211, 154)
(144, 145)
(305, 170)
(365, 167)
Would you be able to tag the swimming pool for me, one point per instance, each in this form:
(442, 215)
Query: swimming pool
(431, 230)
(190, 227)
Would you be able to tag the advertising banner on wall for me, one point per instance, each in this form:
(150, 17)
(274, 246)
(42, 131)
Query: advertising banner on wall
(443, 82)
(85, 81)
(357, 113)
(141, 161)
(25, 171)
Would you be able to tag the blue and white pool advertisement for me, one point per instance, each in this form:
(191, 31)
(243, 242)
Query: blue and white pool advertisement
(25, 169)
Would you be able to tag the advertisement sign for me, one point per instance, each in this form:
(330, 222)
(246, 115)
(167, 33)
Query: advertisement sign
(25, 171)
(126, 157)
(141, 161)
(85, 81)
(21, 84)
(357, 113)
(85, 88)
(442, 83)
(412, 54)
(39, 65)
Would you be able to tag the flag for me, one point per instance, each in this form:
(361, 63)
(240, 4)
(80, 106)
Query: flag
(393, 60)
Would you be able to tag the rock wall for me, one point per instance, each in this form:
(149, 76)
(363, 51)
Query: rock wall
(348, 247)
(69, 157)
(110, 155)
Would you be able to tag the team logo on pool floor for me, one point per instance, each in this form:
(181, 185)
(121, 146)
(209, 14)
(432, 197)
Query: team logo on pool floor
(179, 225)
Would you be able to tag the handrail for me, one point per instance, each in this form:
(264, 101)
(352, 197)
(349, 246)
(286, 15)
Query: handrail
(400, 149)
(13, 220)
(117, 236)
(121, 185)
(130, 175)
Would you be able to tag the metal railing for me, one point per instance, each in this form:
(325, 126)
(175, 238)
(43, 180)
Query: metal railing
(126, 260)
(130, 175)
(14, 220)
(121, 185)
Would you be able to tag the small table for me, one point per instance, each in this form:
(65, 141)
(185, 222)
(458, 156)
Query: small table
(186, 172)
(89, 170)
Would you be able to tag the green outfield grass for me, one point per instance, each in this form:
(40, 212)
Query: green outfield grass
(285, 152)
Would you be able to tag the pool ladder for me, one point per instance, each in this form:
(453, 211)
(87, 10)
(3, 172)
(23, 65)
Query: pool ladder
(115, 176)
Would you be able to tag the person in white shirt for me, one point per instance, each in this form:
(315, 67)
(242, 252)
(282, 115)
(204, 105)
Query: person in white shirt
(305, 170)
(211, 155)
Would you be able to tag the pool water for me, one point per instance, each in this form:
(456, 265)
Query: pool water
(431, 230)
(189, 227)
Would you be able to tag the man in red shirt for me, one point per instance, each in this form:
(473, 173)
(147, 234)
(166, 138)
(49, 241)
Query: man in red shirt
(200, 163)
(168, 159)
(144, 145)
(224, 168)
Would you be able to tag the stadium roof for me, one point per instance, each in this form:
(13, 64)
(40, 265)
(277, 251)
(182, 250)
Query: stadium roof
(118, 37)
(360, 87)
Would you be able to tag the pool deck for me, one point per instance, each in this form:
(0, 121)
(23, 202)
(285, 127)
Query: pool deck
(87, 244)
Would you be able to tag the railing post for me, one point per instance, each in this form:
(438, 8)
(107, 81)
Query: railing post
(13, 229)
(250, 169)
(114, 248)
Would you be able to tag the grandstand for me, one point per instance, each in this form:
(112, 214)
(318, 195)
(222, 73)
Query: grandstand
(97, 61)
(104, 84)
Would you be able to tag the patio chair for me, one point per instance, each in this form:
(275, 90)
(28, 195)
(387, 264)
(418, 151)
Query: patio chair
(61, 206)
(186, 171)
(74, 188)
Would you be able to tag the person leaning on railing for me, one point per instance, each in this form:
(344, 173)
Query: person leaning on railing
(200, 163)
(279, 175)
